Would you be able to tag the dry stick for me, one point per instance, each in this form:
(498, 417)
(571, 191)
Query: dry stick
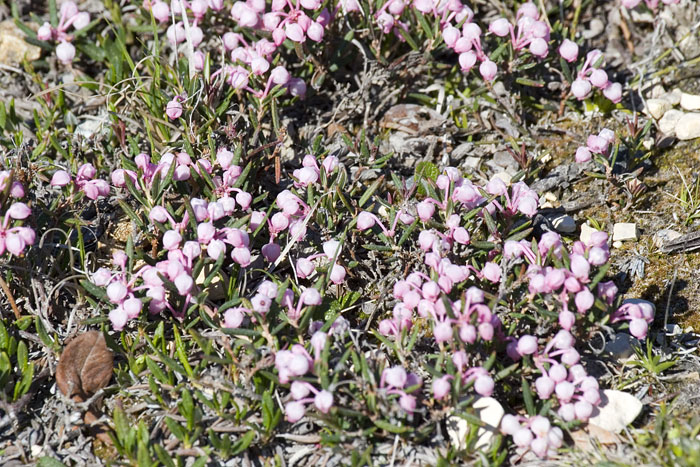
(7, 291)
(668, 307)
(626, 33)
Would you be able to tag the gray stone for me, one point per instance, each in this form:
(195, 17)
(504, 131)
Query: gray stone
(13, 48)
(657, 107)
(564, 224)
(690, 101)
(664, 236)
(594, 29)
(586, 232)
(620, 346)
(462, 151)
(688, 127)
(617, 409)
(625, 231)
(667, 124)
(673, 97)
(489, 411)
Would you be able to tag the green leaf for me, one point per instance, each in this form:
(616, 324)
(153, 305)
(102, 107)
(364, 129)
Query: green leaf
(527, 397)
(426, 169)
(95, 291)
(22, 356)
(369, 192)
(242, 443)
(157, 372)
(391, 428)
(176, 429)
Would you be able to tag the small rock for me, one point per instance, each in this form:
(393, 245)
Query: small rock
(88, 128)
(664, 236)
(673, 97)
(617, 409)
(489, 411)
(690, 101)
(657, 107)
(595, 28)
(13, 49)
(586, 232)
(217, 287)
(689, 45)
(658, 91)
(472, 162)
(625, 231)
(617, 244)
(667, 124)
(620, 346)
(564, 224)
(462, 150)
(688, 127)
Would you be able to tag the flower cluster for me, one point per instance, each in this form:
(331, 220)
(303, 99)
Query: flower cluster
(252, 57)
(296, 363)
(306, 268)
(529, 30)
(640, 315)
(576, 392)
(14, 237)
(596, 144)
(591, 75)
(84, 181)
(534, 434)
(263, 299)
(396, 381)
(68, 16)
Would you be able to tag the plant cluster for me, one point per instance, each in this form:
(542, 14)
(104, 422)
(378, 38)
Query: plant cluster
(312, 284)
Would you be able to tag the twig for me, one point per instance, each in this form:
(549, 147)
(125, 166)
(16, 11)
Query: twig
(11, 299)
(668, 306)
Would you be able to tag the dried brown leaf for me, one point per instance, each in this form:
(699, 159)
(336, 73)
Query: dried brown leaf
(85, 366)
(584, 438)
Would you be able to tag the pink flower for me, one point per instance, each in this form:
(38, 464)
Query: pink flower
(118, 318)
(174, 109)
(483, 385)
(544, 386)
(527, 345)
(491, 272)
(613, 92)
(583, 154)
(395, 377)
(294, 411)
(337, 274)
(568, 50)
(581, 88)
(65, 52)
(488, 70)
(539, 47)
(45, 32)
(599, 78)
(500, 27)
(584, 300)
(323, 401)
(161, 11)
(365, 220)
(442, 387)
